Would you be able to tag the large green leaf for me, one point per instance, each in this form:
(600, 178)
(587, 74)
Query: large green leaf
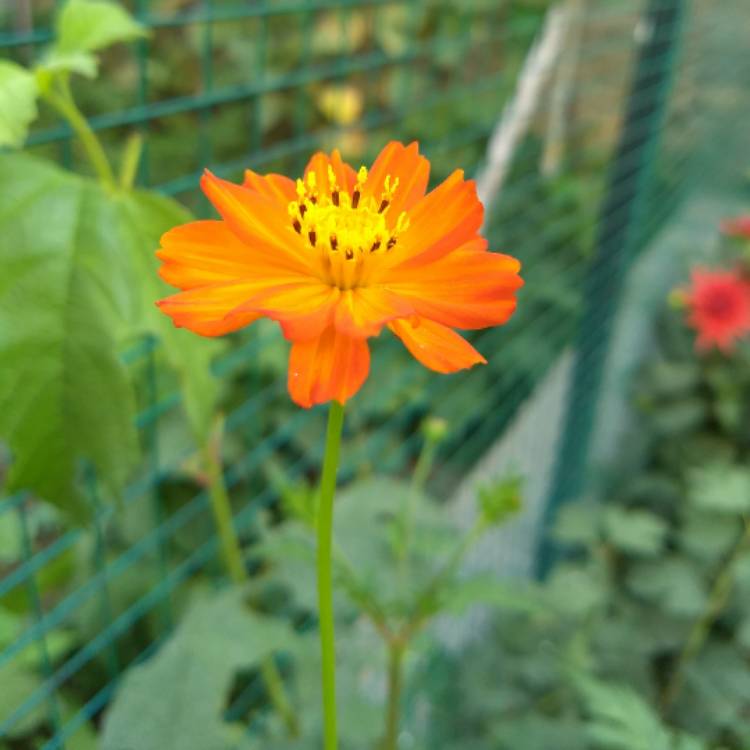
(90, 25)
(66, 394)
(17, 103)
(145, 217)
(80, 279)
(175, 700)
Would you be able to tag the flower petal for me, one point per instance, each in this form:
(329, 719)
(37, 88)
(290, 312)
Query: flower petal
(331, 367)
(346, 177)
(277, 187)
(209, 311)
(207, 252)
(232, 322)
(256, 219)
(444, 219)
(468, 288)
(405, 164)
(303, 310)
(363, 311)
(435, 346)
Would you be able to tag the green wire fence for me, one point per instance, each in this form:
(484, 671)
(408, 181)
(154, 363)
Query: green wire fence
(613, 144)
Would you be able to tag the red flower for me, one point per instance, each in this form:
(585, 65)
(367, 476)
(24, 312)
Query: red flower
(737, 227)
(719, 308)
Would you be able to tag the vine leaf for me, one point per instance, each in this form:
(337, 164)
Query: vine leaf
(17, 103)
(174, 701)
(91, 25)
(79, 279)
(66, 394)
(146, 217)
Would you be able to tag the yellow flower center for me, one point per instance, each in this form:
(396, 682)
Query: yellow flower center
(346, 230)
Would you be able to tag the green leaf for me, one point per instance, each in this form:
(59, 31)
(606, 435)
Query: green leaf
(61, 292)
(488, 590)
(56, 61)
(637, 532)
(80, 279)
(719, 683)
(145, 217)
(578, 523)
(575, 591)
(708, 536)
(720, 488)
(501, 499)
(17, 103)
(175, 700)
(620, 719)
(19, 683)
(673, 583)
(91, 25)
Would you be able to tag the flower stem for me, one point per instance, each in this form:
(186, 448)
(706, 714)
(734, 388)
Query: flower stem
(232, 555)
(64, 103)
(395, 665)
(325, 582)
(700, 631)
(222, 513)
(419, 479)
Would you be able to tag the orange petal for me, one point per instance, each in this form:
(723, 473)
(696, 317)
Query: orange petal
(208, 252)
(330, 367)
(405, 164)
(346, 177)
(222, 327)
(274, 186)
(364, 311)
(467, 288)
(210, 311)
(303, 310)
(444, 219)
(256, 219)
(435, 346)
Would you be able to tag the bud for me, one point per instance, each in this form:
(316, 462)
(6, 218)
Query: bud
(434, 429)
(677, 299)
(501, 499)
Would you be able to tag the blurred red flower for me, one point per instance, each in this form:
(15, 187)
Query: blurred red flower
(718, 305)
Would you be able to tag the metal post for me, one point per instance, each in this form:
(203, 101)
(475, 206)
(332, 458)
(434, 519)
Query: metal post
(617, 240)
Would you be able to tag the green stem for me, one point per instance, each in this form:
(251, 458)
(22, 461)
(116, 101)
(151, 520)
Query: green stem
(64, 103)
(700, 631)
(131, 158)
(232, 556)
(419, 479)
(325, 582)
(439, 579)
(222, 512)
(395, 680)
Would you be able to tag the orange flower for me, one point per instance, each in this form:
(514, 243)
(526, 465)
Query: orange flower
(335, 257)
(719, 308)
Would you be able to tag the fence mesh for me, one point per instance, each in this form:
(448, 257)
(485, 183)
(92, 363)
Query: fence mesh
(601, 155)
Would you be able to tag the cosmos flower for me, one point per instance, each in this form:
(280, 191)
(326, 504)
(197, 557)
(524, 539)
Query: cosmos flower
(337, 256)
(718, 304)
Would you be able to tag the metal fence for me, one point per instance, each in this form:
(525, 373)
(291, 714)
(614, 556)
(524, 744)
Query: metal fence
(602, 155)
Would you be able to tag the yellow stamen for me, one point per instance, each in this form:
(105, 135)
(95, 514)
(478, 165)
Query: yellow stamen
(346, 230)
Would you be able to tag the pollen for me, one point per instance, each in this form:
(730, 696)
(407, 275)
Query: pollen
(350, 230)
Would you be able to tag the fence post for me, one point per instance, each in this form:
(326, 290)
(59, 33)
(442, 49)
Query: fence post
(616, 241)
